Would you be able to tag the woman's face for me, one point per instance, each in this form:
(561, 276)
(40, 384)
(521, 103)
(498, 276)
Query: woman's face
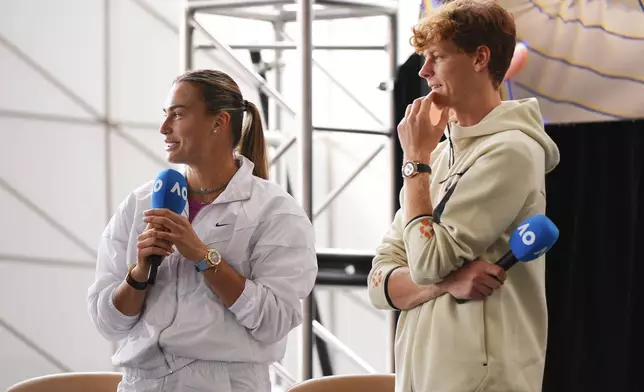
(192, 134)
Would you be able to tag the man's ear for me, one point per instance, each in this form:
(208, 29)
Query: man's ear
(481, 58)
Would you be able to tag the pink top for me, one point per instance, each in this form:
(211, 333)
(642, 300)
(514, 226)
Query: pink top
(193, 208)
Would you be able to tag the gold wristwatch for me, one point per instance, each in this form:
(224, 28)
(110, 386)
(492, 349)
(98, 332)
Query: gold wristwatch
(212, 260)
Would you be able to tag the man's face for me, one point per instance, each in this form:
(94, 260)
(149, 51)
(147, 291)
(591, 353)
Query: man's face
(449, 72)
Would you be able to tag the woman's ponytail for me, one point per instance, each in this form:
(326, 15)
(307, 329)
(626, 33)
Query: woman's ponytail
(252, 144)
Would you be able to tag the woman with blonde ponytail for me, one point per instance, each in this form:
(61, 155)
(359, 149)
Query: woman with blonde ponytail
(236, 264)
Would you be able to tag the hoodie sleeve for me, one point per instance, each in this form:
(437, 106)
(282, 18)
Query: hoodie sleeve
(478, 210)
(389, 256)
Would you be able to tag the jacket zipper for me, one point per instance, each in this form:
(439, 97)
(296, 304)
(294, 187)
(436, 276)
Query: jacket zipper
(176, 309)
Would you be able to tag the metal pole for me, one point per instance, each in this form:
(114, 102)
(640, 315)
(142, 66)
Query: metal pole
(344, 89)
(209, 5)
(258, 79)
(277, 68)
(382, 132)
(186, 33)
(107, 132)
(289, 46)
(393, 68)
(281, 150)
(305, 20)
(343, 348)
(384, 8)
(283, 373)
(274, 108)
(336, 192)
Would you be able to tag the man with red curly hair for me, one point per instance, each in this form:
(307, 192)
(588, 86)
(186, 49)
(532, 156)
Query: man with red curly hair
(461, 200)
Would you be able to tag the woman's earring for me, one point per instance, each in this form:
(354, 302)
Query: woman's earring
(214, 131)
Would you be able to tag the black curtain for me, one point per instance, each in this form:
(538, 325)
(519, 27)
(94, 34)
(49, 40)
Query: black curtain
(594, 272)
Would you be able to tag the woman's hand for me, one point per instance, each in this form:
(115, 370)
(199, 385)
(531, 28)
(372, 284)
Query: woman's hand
(149, 244)
(179, 232)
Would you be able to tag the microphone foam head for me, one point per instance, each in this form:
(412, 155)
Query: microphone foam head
(170, 191)
(534, 237)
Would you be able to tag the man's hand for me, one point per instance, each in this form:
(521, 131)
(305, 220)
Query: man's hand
(418, 136)
(476, 280)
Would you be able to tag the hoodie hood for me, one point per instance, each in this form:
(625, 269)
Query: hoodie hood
(522, 115)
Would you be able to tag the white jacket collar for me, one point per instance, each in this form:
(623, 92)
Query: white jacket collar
(240, 186)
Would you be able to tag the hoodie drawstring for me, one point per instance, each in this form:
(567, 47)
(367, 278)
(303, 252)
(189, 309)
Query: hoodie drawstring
(451, 146)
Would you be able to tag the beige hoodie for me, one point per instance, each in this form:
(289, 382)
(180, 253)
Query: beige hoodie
(481, 189)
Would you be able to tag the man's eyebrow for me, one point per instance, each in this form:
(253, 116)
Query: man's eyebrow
(171, 108)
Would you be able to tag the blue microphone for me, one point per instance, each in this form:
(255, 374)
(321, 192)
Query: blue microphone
(529, 241)
(170, 192)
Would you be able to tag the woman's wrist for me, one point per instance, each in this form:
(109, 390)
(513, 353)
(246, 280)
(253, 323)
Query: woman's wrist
(200, 254)
(139, 273)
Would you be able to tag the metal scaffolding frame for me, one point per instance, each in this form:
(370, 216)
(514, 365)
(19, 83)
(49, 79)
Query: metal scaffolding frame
(305, 12)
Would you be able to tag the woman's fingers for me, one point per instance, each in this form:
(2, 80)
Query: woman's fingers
(153, 241)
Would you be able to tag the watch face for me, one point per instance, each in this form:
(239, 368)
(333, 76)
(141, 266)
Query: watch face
(213, 257)
(408, 169)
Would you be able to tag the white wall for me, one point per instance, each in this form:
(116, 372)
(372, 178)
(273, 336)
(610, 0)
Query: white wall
(66, 67)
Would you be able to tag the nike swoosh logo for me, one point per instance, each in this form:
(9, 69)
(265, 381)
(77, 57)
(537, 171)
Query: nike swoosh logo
(221, 224)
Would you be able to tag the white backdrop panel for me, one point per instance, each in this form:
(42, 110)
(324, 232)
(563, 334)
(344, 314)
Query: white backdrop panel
(66, 40)
(66, 331)
(59, 167)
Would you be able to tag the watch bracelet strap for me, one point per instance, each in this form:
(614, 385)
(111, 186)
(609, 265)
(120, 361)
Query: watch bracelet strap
(203, 266)
(423, 168)
(135, 283)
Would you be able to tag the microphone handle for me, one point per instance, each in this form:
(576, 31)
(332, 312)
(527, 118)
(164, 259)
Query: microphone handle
(155, 262)
(507, 261)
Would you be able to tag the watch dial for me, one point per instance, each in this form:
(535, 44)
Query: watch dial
(408, 169)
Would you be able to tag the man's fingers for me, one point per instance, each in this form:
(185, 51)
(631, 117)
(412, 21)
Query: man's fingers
(489, 281)
(496, 271)
(407, 111)
(477, 295)
(425, 105)
(415, 107)
(483, 289)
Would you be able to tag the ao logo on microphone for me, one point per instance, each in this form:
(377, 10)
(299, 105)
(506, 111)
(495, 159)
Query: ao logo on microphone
(528, 237)
(533, 237)
(176, 188)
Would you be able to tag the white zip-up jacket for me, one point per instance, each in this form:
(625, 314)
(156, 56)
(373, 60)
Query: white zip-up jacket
(260, 231)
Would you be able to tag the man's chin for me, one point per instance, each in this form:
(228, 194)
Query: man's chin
(440, 102)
